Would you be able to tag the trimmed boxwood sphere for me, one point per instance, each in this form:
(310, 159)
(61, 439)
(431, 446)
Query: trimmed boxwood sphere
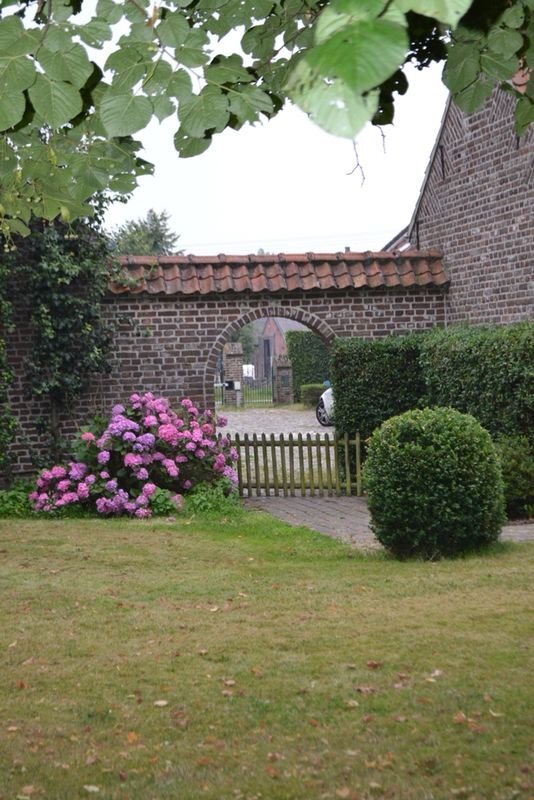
(434, 484)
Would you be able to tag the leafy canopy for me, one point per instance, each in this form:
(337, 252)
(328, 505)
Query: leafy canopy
(150, 235)
(79, 78)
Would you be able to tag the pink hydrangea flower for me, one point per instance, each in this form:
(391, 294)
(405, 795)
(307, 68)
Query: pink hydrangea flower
(58, 472)
(87, 437)
(103, 457)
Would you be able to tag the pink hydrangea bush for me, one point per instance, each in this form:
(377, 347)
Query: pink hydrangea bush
(146, 455)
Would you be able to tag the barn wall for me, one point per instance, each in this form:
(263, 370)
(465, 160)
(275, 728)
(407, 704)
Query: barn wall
(477, 207)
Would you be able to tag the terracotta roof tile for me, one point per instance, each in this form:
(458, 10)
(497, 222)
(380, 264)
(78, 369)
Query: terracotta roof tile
(282, 273)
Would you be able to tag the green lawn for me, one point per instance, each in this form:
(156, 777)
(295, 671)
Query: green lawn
(233, 659)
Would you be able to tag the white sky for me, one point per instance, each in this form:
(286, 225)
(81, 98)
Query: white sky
(285, 186)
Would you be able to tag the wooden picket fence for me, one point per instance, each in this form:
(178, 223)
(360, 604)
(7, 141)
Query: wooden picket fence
(298, 465)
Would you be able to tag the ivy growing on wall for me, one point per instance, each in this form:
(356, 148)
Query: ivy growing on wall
(7, 420)
(64, 271)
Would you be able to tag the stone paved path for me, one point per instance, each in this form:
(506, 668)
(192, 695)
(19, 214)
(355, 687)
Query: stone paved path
(345, 518)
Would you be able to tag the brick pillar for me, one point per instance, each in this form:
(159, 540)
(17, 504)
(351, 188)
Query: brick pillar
(233, 373)
(282, 381)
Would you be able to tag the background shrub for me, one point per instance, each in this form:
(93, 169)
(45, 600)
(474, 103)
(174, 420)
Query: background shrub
(486, 372)
(14, 502)
(310, 393)
(516, 454)
(374, 380)
(434, 484)
(310, 359)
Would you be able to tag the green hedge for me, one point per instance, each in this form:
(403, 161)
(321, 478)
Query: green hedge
(310, 393)
(486, 372)
(310, 359)
(374, 380)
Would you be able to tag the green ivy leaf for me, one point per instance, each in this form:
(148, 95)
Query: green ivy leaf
(207, 111)
(123, 113)
(56, 101)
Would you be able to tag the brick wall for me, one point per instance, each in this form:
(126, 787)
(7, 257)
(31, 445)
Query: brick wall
(477, 207)
(169, 344)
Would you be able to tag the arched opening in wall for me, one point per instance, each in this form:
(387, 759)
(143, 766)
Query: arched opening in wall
(264, 357)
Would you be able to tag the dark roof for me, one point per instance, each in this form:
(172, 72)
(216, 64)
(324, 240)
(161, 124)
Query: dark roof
(189, 275)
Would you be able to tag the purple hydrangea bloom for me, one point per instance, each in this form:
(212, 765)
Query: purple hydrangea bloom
(83, 491)
(77, 470)
(58, 472)
(132, 460)
(103, 457)
(128, 436)
(142, 513)
(149, 489)
(142, 474)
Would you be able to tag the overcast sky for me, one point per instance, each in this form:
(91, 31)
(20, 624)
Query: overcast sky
(288, 187)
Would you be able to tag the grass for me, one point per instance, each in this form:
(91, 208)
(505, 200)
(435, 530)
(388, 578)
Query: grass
(242, 659)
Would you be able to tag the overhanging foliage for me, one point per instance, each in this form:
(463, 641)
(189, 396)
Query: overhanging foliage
(66, 121)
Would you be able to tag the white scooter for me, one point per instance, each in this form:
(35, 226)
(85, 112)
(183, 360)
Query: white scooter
(325, 408)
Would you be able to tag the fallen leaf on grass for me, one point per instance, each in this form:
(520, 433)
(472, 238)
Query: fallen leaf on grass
(228, 681)
(365, 689)
(495, 713)
(28, 790)
(459, 718)
(374, 664)
(351, 703)
(161, 703)
(203, 652)
(132, 737)
(257, 671)
(91, 788)
(343, 792)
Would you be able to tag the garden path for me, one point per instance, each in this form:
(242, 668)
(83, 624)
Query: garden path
(345, 518)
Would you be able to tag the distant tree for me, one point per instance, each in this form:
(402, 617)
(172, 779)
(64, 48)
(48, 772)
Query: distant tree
(248, 341)
(146, 236)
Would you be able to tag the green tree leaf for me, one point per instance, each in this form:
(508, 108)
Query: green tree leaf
(474, 96)
(71, 65)
(56, 101)
(174, 29)
(207, 111)
(16, 74)
(190, 146)
(462, 68)
(447, 11)
(11, 110)
(362, 55)
(124, 113)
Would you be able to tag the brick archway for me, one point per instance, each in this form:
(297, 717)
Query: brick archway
(173, 314)
(310, 320)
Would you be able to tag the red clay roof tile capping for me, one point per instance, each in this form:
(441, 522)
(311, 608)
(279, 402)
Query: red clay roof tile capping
(282, 273)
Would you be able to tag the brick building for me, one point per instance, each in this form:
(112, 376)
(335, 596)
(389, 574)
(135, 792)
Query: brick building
(477, 207)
